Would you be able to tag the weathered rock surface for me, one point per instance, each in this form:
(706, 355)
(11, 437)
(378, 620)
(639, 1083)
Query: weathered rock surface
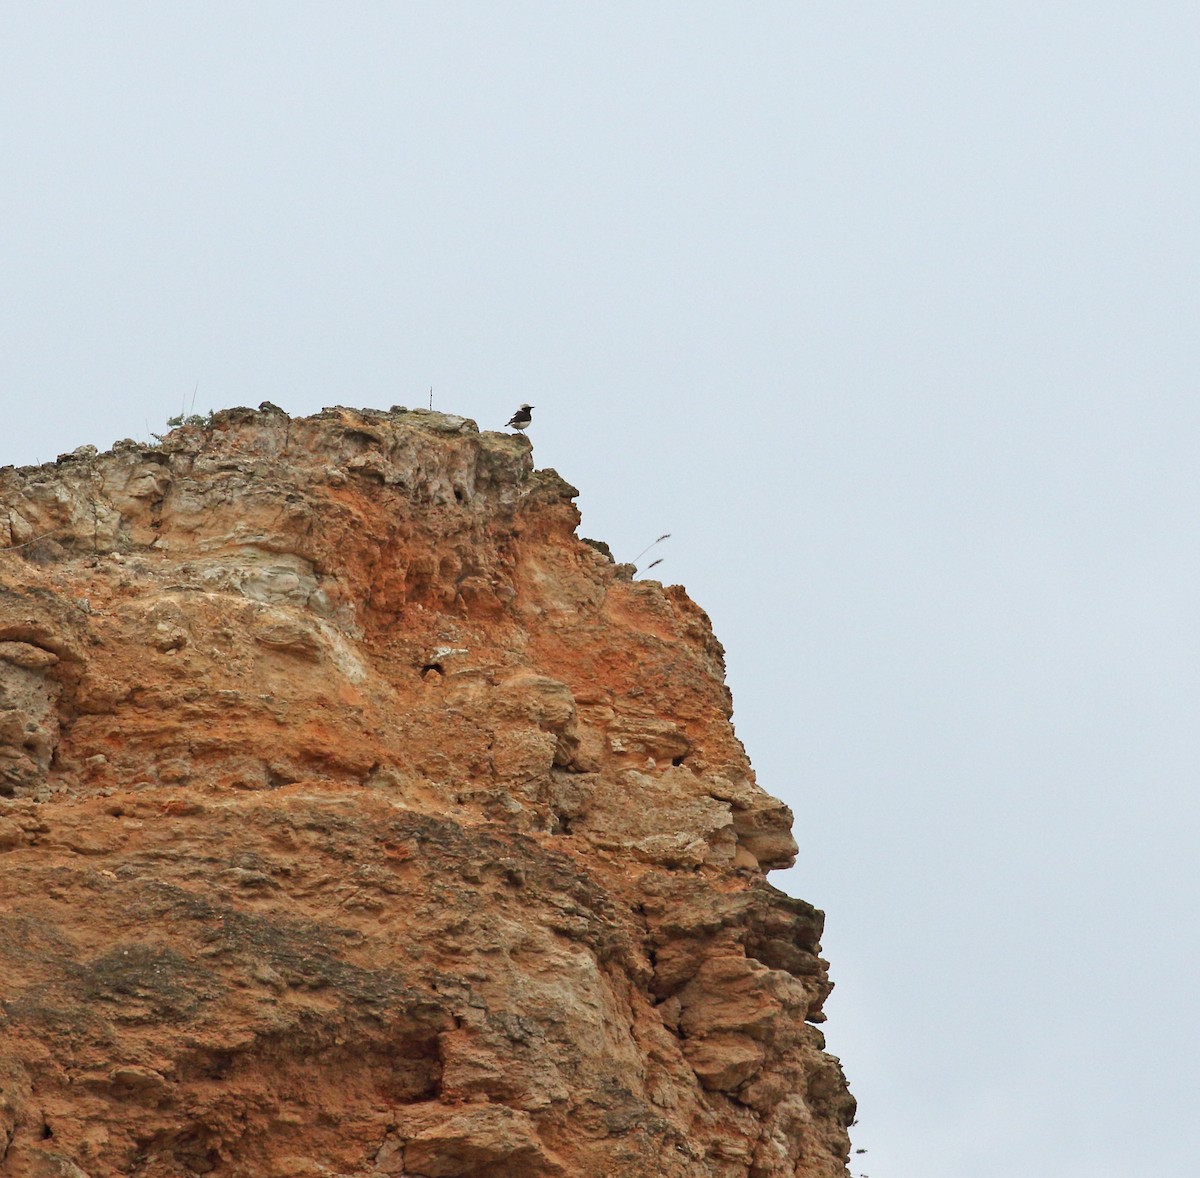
(357, 818)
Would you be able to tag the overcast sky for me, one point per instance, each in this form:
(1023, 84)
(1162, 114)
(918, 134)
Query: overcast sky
(885, 311)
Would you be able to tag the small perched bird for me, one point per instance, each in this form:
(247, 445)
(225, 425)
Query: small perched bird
(521, 419)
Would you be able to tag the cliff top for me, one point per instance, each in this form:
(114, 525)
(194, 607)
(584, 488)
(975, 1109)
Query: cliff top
(327, 737)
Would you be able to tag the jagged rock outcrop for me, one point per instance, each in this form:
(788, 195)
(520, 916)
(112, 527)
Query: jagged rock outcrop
(357, 818)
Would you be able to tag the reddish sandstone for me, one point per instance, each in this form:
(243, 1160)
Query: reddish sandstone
(357, 818)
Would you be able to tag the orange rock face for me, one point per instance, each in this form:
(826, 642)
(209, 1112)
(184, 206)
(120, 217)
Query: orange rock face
(357, 818)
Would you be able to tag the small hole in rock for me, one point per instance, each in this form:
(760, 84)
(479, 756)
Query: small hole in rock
(677, 760)
(435, 667)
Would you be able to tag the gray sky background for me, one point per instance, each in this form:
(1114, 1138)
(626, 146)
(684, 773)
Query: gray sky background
(886, 311)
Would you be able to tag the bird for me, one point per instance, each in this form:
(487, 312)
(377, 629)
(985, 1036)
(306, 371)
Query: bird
(521, 419)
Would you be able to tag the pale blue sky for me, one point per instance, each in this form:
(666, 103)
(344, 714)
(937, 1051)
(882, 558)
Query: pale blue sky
(887, 312)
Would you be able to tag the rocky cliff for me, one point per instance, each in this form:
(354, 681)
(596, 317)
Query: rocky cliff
(357, 818)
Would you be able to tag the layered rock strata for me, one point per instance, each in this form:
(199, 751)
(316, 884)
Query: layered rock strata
(357, 818)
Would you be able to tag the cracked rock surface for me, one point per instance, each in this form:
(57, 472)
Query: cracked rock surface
(358, 818)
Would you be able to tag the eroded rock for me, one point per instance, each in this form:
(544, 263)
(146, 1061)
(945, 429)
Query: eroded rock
(358, 818)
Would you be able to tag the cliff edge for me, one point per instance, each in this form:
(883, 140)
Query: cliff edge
(357, 818)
